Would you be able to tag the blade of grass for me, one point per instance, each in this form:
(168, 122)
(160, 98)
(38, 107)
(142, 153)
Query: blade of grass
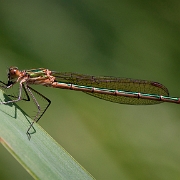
(42, 157)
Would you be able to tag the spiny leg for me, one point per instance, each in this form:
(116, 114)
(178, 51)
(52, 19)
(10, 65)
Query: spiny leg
(27, 98)
(4, 86)
(7, 86)
(39, 114)
(44, 97)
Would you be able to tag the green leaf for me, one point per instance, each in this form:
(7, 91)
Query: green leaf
(41, 156)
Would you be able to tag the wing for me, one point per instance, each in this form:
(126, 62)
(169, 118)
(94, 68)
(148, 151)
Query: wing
(113, 83)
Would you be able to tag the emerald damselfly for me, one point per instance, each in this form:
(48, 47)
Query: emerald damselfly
(118, 90)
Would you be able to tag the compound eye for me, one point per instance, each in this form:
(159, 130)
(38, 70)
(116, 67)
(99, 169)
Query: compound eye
(13, 73)
(12, 70)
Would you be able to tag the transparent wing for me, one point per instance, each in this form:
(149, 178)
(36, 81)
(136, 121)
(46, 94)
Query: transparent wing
(113, 83)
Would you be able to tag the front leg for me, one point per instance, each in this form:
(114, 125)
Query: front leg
(9, 85)
(6, 86)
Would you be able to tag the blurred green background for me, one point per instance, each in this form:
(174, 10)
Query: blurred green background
(136, 39)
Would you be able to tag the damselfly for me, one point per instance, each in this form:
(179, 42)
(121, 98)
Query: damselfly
(118, 90)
